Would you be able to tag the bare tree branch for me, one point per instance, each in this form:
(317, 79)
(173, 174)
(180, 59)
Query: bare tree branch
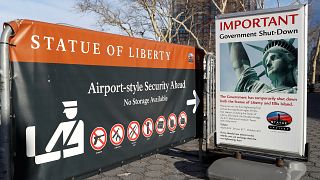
(150, 7)
(217, 6)
(192, 34)
(161, 19)
(260, 4)
(242, 5)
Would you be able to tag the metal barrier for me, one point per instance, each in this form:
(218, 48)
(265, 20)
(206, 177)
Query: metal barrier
(210, 97)
(35, 144)
(5, 120)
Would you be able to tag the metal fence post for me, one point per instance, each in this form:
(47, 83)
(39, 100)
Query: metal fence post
(210, 97)
(5, 119)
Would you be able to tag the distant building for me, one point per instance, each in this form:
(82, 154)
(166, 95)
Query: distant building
(202, 21)
(202, 24)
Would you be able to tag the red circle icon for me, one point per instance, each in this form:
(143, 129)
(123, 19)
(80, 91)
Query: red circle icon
(117, 134)
(172, 122)
(133, 131)
(183, 119)
(147, 127)
(160, 125)
(98, 138)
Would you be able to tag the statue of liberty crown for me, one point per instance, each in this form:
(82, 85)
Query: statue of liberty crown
(273, 43)
(281, 43)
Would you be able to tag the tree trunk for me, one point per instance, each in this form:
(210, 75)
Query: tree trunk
(314, 62)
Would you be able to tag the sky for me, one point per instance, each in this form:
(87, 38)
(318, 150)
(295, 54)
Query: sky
(60, 11)
(57, 11)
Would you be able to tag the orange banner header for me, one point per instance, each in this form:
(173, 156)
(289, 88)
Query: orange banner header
(41, 42)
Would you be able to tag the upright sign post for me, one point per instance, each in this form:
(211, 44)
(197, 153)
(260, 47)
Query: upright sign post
(261, 81)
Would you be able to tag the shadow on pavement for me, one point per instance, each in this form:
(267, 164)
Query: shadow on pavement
(193, 169)
(189, 162)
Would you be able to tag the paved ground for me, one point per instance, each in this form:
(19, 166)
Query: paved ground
(182, 162)
(178, 163)
(313, 137)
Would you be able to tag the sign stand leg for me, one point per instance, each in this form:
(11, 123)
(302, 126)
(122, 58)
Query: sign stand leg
(237, 155)
(200, 149)
(279, 162)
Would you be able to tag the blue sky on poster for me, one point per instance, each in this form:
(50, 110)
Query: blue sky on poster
(61, 11)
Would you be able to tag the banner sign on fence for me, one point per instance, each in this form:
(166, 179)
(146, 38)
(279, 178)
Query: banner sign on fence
(261, 80)
(84, 100)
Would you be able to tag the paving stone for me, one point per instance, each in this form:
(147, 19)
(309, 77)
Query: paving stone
(313, 156)
(162, 156)
(314, 146)
(156, 174)
(114, 172)
(155, 167)
(171, 165)
(315, 160)
(96, 177)
(152, 178)
(170, 160)
(189, 176)
(138, 164)
(173, 159)
(169, 170)
(132, 177)
(307, 178)
(309, 163)
(109, 178)
(148, 159)
(137, 170)
(313, 169)
(317, 164)
(157, 161)
(175, 177)
(315, 175)
(315, 153)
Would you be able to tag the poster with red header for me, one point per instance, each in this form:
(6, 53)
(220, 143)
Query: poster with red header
(262, 80)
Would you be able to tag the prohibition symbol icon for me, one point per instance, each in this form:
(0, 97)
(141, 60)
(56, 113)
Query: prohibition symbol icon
(117, 134)
(98, 138)
(183, 119)
(160, 125)
(133, 131)
(172, 122)
(147, 127)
